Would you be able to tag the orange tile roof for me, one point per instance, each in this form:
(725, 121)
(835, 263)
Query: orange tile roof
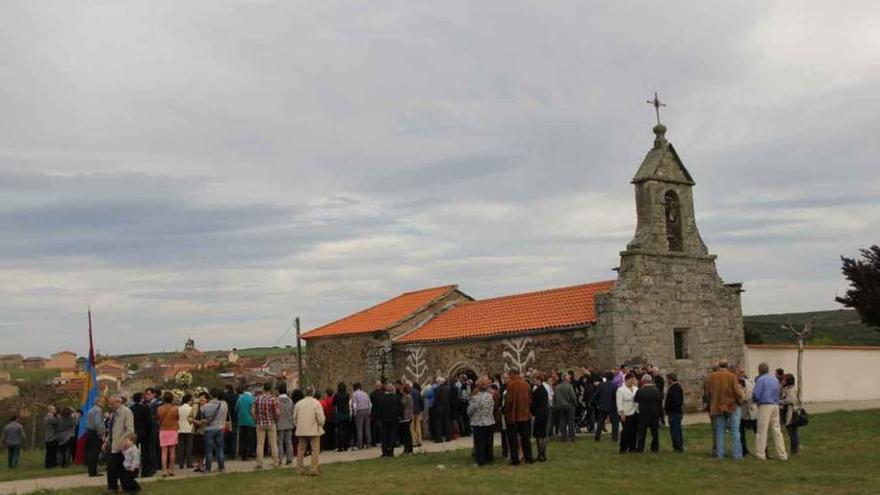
(554, 308)
(383, 315)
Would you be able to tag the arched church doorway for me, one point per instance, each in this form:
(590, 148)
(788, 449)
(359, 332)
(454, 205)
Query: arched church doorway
(464, 368)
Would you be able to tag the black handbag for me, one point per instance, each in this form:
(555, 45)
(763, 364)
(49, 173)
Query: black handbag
(801, 418)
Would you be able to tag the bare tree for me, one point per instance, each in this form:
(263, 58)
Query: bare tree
(801, 335)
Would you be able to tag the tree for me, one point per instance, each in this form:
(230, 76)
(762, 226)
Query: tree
(864, 277)
(801, 335)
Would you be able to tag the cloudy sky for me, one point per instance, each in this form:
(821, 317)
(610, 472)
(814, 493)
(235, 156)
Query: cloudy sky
(213, 169)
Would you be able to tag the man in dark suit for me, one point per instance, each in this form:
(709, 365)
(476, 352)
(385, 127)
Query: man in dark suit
(650, 404)
(375, 396)
(674, 407)
(143, 428)
(660, 383)
(606, 407)
(389, 411)
(442, 409)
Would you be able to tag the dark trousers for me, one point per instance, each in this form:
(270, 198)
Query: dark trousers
(387, 433)
(629, 434)
(519, 434)
(247, 444)
(565, 419)
(93, 451)
(51, 460)
(600, 424)
(675, 432)
(746, 424)
(464, 421)
(794, 438)
(343, 434)
(444, 427)
(117, 474)
(328, 439)
(406, 437)
(648, 422)
(13, 453)
(65, 453)
(148, 461)
(230, 442)
(590, 417)
(375, 438)
(484, 437)
(184, 450)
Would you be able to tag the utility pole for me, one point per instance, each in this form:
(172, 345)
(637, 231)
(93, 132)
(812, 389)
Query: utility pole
(299, 357)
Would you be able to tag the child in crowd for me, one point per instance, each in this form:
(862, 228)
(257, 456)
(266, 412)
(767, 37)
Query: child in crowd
(132, 463)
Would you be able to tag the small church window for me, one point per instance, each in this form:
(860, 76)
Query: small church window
(680, 342)
(673, 220)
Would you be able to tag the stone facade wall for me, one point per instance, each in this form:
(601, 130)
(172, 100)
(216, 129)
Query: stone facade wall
(565, 349)
(366, 357)
(348, 358)
(657, 294)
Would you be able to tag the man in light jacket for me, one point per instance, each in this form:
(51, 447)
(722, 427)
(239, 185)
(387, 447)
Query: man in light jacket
(308, 419)
(121, 425)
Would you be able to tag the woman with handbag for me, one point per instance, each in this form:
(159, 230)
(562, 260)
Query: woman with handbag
(790, 405)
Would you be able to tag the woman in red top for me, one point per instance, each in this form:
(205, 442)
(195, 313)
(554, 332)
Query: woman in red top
(328, 440)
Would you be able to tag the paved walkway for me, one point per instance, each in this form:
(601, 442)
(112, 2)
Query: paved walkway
(81, 480)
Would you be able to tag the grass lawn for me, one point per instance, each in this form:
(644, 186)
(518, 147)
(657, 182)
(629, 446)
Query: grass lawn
(31, 466)
(840, 455)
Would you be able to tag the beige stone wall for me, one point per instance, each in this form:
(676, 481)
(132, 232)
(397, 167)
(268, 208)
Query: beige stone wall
(348, 358)
(656, 294)
(568, 349)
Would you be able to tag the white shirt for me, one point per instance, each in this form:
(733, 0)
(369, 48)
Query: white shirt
(184, 426)
(625, 402)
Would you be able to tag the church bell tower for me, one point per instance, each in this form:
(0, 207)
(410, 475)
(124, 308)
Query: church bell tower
(665, 203)
(668, 307)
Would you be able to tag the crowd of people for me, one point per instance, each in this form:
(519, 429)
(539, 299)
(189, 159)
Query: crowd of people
(155, 432)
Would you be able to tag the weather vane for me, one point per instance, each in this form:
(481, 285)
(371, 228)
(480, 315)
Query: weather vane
(657, 104)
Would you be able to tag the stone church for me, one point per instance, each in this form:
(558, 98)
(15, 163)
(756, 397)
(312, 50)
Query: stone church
(667, 307)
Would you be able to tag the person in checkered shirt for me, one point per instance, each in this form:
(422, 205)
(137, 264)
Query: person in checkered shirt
(265, 411)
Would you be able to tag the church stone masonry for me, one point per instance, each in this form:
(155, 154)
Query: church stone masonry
(667, 307)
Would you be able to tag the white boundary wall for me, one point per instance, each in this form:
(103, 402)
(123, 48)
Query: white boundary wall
(831, 373)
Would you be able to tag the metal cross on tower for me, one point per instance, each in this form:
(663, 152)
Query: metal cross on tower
(657, 104)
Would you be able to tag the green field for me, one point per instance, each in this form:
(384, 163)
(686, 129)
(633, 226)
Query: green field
(839, 456)
(31, 466)
(36, 375)
(841, 327)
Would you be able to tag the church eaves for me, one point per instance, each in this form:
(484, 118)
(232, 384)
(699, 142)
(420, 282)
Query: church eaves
(383, 315)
